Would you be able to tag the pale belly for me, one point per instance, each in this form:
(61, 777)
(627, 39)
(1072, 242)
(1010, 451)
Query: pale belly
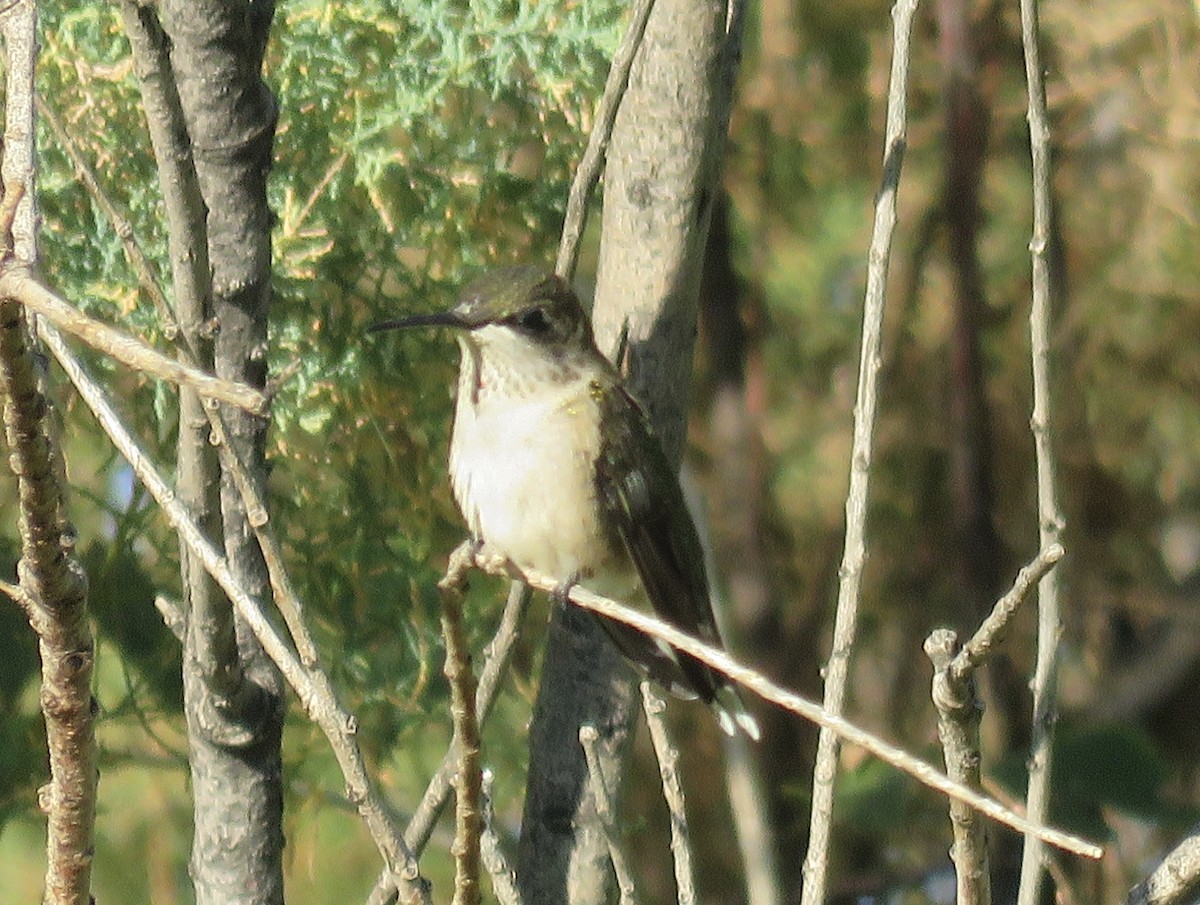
(523, 476)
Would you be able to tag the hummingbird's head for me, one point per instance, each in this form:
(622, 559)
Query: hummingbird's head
(513, 307)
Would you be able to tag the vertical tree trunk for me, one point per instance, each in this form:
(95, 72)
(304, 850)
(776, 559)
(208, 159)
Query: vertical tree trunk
(659, 186)
(235, 698)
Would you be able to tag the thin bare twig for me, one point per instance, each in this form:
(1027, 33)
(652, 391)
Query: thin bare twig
(468, 780)
(383, 892)
(496, 658)
(173, 616)
(668, 767)
(751, 822)
(1065, 891)
(587, 174)
(504, 879)
(52, 582)
(816, 861)
(21, 598)
(979, 649)
(137, 258)
(311, 685)
(1050, 517)
(14, 194)
(767, 690)
(19, 284)
(959, 710)
(315, 195)
(607, 815)
(287, 601)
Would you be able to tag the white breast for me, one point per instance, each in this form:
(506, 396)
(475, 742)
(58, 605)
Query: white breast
(522, 469)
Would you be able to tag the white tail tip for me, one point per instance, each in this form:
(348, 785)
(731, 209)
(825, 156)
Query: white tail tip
(732, 714)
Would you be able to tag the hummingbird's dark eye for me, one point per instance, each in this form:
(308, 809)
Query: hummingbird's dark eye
(534, 321)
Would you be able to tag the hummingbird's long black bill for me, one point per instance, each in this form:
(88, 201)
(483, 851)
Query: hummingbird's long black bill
(437, 319)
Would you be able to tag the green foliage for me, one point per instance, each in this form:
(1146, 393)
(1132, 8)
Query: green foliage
(417, 143)
(421, 142)
(86, 75)
(873, 799)
(22, 738)
(1099, 770)
(121, 599)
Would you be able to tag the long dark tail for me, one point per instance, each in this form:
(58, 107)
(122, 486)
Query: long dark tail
(683, 676)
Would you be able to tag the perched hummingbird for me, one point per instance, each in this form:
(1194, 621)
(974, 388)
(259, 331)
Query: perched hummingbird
(555, 466)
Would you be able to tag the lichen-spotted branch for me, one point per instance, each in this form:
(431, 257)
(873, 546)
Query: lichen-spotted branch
(52, 585)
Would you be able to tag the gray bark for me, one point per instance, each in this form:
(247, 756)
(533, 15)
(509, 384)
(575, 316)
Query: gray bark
(233, 694)
(212, 670)
(1176, 880)
(659, 184)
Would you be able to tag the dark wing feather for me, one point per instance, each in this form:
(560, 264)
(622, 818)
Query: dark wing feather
(650, 659)
(640, 494)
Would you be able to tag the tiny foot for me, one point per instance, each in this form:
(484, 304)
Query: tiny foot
(467, 552)
(562, 593)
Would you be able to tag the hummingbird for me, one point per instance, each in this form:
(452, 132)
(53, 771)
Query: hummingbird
(554, 465)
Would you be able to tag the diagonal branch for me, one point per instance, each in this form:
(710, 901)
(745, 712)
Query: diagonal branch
(959, 711)
(587, 174)
(311, 685)
(287, 600)
(1176, 880)
(137, 258)
(979, 649)
(801, 706)
(504, 881)
(21, 598)
(668, 767)
(18, 283)
(606, 812)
